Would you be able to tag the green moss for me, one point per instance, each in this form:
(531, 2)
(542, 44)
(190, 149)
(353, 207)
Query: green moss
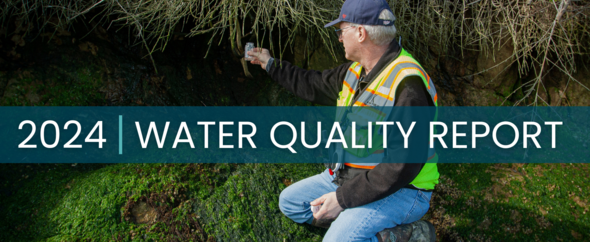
(17, 91)
(246, 208)
(522, 201)
(61, 88)
(505, 90)
(240, 202)
(63, 203)
(81, 88)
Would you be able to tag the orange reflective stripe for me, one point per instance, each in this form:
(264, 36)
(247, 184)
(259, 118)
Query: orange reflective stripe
(419, 69)
(435, 97)
(354, 72)
(360, 104)
(359, 166)
(427, 81)
(380, 94)
(349, 88)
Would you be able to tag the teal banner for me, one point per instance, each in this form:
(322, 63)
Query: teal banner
(291, 134)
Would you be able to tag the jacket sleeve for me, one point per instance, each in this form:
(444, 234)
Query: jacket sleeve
(394, 172)
(315, 86)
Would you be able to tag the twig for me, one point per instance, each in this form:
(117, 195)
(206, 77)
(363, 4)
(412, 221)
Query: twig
(139, 30)
(85, 11)
(562, 8)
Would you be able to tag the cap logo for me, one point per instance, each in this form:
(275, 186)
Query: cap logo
(343, 15)
(386, 22)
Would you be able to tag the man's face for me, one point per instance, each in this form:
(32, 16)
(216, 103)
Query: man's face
(348, 38)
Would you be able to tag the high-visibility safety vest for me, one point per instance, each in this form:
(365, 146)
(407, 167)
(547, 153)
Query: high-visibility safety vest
(377, 102)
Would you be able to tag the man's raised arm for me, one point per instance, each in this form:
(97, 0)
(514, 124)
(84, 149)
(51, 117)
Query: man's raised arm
(315, 86)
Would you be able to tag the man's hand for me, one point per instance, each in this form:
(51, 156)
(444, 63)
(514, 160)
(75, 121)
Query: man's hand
(260, 56)
(330, 210)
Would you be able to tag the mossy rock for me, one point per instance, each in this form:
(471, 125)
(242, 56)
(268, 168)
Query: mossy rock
(193, 201)
(473, 96)
(246, 207)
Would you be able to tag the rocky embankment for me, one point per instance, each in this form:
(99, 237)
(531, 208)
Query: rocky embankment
(89, 65)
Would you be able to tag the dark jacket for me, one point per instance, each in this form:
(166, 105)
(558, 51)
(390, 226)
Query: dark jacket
(393, 173)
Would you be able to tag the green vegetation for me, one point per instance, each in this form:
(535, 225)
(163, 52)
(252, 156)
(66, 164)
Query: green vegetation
(64, 88)
(228, 202)
(61, 202)
(245, 208)
(514, 202)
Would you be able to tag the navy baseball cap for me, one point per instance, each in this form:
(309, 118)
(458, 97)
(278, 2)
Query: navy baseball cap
(363, 12)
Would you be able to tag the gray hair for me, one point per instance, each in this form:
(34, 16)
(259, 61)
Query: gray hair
(381, 35)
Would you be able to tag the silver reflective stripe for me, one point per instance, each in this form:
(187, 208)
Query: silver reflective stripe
(384, 90)
(351, 79)
(379, 101)
(432, 90)
(398, 68)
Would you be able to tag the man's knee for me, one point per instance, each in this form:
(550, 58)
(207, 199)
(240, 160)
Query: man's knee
(286, 202)
(294, 207)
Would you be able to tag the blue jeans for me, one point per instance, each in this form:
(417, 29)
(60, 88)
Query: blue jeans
(359, 223)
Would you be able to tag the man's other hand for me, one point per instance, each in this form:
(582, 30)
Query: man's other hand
(330, 210)
(260, 56)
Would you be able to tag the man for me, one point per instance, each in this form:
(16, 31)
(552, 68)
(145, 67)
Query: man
(369, 202)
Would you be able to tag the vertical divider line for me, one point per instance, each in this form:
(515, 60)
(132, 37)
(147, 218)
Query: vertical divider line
(120, 134)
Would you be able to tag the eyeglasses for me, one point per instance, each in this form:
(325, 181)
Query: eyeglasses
(339, 31)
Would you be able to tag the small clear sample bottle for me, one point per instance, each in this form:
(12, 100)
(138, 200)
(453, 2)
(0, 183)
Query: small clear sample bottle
(249, 47)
